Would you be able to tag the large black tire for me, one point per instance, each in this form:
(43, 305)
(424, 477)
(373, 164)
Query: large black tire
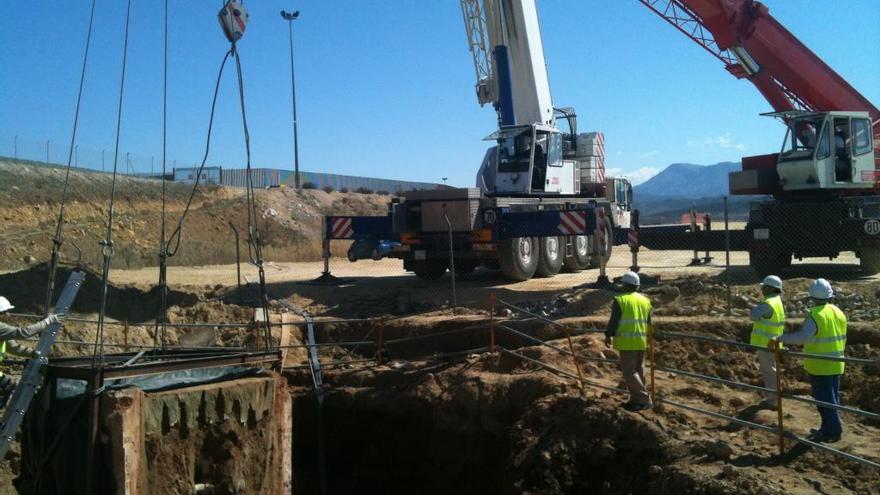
(552, 251)
(430, 269)
(580, 257)
(869, 260)
(595, 259)
(518, 258)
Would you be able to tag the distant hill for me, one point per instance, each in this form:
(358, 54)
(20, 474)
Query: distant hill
(680, 186)
(686, 180)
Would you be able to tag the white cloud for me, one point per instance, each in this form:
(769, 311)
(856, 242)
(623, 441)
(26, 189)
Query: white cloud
(635, 176)
(724, 141)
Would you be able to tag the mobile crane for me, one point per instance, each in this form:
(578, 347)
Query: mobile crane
(541, 202)
(825, 181)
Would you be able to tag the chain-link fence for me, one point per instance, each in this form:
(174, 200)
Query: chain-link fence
(56, 153)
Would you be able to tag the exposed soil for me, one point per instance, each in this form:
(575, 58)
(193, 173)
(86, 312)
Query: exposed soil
(491, 424)
(290, 221)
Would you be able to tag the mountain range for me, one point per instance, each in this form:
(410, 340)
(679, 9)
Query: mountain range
(681, 186)
(689, 181)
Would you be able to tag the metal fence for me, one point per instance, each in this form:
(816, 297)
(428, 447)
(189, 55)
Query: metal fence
(55, 153)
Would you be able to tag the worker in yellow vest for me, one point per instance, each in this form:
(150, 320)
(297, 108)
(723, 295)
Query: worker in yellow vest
(627, 331)
(7, 344)
(769, 318)
(823, 333)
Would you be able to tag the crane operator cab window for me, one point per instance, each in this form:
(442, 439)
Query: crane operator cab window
(516, 153)
(802, 138)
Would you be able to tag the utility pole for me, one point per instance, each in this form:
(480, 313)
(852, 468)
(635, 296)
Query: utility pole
(102, 160)
(15, 149)
(47, 152)
(290, 17)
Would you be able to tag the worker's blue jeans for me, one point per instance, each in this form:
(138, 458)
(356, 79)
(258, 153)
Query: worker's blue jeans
(827, 389)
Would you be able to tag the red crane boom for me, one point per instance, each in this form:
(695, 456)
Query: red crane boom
(754, 46)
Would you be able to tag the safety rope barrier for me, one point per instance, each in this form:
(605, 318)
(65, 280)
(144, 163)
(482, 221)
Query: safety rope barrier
(778, 429)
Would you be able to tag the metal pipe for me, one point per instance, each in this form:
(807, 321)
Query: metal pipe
(853, 410)
(713, 340)
(533, 315)
(559, 371)
(290, 17)
(716, 380)
(832, 358)
(834, 451)
(718, 415)
(237, 254)
(451, 262)
(777, 356)
(435, 334)
(727, 255)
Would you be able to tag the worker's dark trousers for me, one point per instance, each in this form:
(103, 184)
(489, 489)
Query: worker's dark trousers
(827, 389)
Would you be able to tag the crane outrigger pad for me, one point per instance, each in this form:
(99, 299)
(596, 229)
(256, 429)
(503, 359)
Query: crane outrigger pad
(32, 376)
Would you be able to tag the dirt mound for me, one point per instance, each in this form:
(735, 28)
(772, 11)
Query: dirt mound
(290, 221)
(704, 295)
(27, 290)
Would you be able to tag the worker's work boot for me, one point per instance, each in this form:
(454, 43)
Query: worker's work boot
(819, 437)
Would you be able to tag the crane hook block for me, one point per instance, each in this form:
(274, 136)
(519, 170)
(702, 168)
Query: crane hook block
(233, 19)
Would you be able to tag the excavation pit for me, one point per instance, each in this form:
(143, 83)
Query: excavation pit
(442, 417)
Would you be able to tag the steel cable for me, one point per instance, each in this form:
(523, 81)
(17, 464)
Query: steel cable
(162, 316)
(107, 243)
(59, 227)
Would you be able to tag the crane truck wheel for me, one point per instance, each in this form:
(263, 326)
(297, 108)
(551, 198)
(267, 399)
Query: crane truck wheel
(595, 259)
(430, 269)
(518, 257)
(869, 260)
(580, 258)
(552, 250)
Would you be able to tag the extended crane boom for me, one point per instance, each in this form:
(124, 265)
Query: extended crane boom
(755, 46)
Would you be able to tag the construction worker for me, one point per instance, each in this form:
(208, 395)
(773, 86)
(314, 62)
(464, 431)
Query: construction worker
(823, 333)
(628, 331)
(7, 344)
(769, 318)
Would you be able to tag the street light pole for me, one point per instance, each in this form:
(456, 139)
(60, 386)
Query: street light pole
(290, 17)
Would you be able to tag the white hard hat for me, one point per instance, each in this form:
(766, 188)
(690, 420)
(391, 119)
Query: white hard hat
(821, 289)
(5, 305)
(773, 281)
(631, 278)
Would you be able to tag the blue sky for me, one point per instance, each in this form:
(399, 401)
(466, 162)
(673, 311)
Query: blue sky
(386, 88)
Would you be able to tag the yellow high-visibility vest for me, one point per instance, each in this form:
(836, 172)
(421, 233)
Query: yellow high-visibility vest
(830, 340)
(767, 328)
(632, 329)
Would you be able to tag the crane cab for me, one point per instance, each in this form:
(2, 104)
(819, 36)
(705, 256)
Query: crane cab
(826, 150)
(528, 161)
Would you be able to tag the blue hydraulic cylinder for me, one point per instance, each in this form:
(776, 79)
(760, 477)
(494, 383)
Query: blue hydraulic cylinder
(504, 105)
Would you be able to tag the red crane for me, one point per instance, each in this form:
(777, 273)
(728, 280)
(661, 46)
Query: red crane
(754, 46)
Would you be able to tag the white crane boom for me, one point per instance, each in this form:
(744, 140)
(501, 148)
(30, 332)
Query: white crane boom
(504, 37)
